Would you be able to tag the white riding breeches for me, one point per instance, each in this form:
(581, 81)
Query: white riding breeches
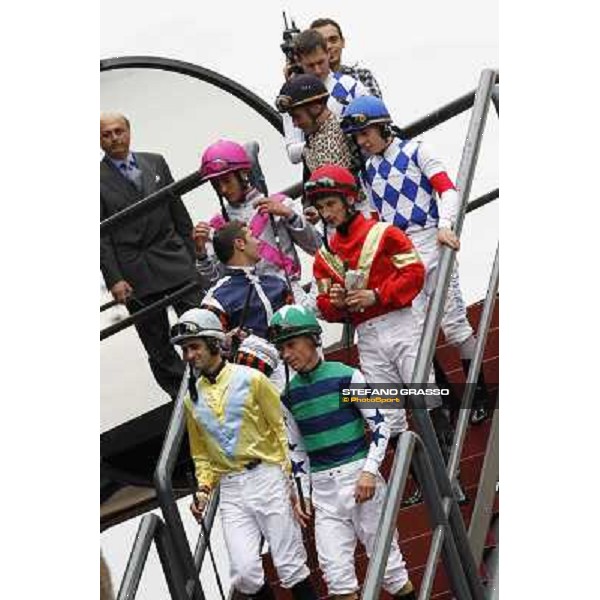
(339, 522)
(255, 503)
(455, 325)
(387, 346)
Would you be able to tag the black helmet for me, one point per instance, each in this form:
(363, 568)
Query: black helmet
(300, 90)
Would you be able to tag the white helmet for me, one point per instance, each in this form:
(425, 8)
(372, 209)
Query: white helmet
(196, 323)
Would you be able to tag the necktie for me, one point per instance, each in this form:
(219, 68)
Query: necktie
(127, 168)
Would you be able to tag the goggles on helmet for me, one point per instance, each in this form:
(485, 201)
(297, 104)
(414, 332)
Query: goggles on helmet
(357, 119)
(218, 165)
(190, 329)
(327, 183)
(284, 103)
(276, 331)
(360, 120)
(185, 328)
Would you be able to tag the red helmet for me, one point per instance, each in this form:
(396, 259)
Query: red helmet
(331, 179)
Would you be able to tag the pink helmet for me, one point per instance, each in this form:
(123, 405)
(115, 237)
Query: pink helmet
(223, 157)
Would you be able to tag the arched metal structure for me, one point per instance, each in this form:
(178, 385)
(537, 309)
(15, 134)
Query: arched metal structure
(191, 70)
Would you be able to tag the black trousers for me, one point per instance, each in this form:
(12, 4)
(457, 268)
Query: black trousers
(154, 332)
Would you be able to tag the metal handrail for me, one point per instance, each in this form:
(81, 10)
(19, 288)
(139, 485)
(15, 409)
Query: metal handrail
(209, 519)
(467, 570)
(133, 211)
(293, 191)
(463, 423)
(264, 109)
(467, 399)
(152, 529)
(150, 309)
(486, 492)
(464, 413)
(163, 476)
(411, 449)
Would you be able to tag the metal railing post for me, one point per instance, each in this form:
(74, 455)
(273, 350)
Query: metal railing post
(152, 528)
(173, 190)
(209, 519)
(136, 562)
(164, 492)
(450, 553)
(467, 400)
(422, 368)
(486, 491)
(411, 447)
(463, 422)
(421, 417)
(387, 522)
(170, 565)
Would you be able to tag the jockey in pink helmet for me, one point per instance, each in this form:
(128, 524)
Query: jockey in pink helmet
(224, 163)
(227, 166)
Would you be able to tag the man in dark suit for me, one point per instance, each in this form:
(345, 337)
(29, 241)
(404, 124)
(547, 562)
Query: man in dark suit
(151, 256)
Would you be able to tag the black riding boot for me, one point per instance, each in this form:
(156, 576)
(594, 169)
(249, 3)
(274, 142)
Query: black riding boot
(480, 410)
(265, 593)
(445, 435)
(304, 590)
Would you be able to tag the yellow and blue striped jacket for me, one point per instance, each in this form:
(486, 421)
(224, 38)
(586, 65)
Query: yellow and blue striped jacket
(236, 420)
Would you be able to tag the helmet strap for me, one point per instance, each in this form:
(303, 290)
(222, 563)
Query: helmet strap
(325, 241)
(385, 131)
(287, 382)
(193, 390)
(223, 209)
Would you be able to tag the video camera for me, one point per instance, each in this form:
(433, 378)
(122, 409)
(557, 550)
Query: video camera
(287, 46)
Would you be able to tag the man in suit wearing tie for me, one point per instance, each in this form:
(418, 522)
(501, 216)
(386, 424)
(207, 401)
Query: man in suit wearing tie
(151, 256)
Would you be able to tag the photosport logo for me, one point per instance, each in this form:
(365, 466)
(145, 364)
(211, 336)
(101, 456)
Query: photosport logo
(387, 396)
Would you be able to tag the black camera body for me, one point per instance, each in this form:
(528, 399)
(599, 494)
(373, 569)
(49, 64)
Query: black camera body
(287, 46)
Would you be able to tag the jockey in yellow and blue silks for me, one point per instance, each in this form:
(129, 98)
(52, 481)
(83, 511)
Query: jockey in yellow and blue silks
(237, 440)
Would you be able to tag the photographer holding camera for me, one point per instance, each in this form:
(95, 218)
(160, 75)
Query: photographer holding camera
(310, 53)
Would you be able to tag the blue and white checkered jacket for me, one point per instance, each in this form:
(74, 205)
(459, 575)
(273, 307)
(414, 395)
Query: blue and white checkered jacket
(398, 182)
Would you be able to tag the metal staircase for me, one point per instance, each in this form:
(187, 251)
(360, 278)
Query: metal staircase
(460, 551)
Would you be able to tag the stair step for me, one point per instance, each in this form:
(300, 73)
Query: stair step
(415, 550)
(448, 354)
(414, 528)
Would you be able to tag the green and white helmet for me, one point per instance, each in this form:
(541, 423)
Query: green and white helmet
(292, 321)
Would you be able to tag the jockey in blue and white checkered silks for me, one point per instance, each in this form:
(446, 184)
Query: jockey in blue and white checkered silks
(410, 187)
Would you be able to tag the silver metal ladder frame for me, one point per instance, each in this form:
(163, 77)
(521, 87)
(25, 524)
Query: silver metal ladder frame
(180, 567)
(450, 536)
